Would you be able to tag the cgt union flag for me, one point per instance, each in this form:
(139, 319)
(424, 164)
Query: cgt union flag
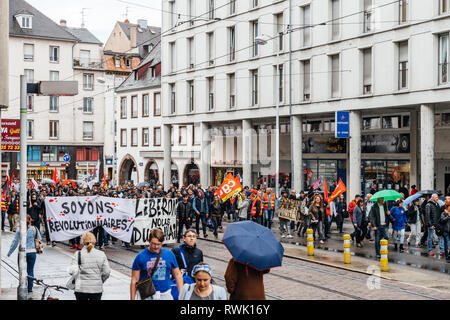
(229, 187)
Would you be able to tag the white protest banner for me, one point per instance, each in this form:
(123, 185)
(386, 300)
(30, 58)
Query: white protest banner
(70, 217)
(155, 213)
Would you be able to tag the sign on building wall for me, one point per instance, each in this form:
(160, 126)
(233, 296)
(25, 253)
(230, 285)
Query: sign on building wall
(385, 143)
(322, 144)
(342, 124)
(10, 135)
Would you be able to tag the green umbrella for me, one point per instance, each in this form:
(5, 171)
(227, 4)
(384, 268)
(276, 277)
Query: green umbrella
(387, 195)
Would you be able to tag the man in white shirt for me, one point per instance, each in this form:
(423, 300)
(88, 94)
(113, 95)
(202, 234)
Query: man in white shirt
(379, 221)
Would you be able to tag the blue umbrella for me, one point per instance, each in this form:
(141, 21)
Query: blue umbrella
(254, 245)
(411, 199)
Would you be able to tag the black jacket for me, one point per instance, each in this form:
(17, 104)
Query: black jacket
(374, 215)
(432, 214)
(35, 211)
(192, 256)
(411, 215)
(13, 205)
(216, 210)
(445, 222)
(184, 210)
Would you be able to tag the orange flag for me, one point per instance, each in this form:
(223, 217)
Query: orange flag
(55, 176)
(340, 188)
(229, 187)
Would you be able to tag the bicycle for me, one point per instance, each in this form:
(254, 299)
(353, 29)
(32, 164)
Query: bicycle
(47, 287)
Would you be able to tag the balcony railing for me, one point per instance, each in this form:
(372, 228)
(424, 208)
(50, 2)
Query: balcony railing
(88, 63)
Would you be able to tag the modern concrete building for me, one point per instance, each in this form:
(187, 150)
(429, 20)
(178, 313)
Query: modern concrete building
(43, 50)
(386, 62)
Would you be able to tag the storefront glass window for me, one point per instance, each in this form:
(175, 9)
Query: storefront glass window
(310, 171)
(34, 154)
(391, 122)
(327, 171)
(374, 173)
(6, 156)
(371, 123)
(313, 126)
(445, 119)
(61, 152)
(397, 174)
(49, 153)
(386, 175)
(405, 122)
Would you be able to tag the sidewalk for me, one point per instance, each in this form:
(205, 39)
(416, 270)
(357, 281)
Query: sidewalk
(51, 266)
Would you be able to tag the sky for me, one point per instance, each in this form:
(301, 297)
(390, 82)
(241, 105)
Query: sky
(100, 15)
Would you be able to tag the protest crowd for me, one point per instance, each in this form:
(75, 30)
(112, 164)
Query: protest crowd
(427, 219)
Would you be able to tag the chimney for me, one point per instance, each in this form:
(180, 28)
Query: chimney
(142, 23)
(63, 23)
(133, 35)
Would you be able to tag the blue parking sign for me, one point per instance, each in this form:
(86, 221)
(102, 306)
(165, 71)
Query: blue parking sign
(66, 158)
(342, 124)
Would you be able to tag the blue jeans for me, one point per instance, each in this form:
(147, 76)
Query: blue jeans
(430, 239)
(446, 239)
(31, 260)
(268, 217)
(380, 233)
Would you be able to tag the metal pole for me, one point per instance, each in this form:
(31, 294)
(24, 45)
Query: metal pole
(22, 289)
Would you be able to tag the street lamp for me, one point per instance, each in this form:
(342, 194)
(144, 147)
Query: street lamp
(263, 40)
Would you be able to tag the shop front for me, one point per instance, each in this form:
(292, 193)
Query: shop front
(191, 174)
(219, 174)
(385, 174)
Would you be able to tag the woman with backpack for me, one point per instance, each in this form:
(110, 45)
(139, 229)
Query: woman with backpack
(33, 234)
(399, 223)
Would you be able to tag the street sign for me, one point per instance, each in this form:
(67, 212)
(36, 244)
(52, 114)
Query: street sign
(58, 88)
(342, 124)
(66, 158)
(10, 135)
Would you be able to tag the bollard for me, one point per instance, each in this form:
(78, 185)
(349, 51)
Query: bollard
(310, 242)
(347, 246)
(384, 255)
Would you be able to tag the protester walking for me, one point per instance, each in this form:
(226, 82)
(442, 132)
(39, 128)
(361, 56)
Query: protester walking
(13, 211)
(255, 208)
(399, 223)
(34, 209)
(268, 202)
(31, 250)
(155, 263)
(318, 216)
(201, 211)
(432, 213)
(242, 206)
(92, 267)
(184, 215)
(187, 254)
(415, 222)
(379, 221)
(244, 282)
(285, 225)
(216, 214)
(202, 289)
(445, 225)
(357, 223)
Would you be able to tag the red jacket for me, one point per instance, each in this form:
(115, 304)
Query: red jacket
(351, 207)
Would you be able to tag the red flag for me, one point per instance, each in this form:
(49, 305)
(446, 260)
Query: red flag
(11, 180)
(55, 176)
(325, 196)
(104, 184)
(340, 188)
(229, 187)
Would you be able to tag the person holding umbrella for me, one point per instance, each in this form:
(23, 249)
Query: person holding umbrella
(255, 250)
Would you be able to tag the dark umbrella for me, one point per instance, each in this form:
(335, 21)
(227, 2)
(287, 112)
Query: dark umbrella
(254, 245)
(429, 192)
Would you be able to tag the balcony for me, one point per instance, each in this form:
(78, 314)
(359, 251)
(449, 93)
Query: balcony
(91, 64)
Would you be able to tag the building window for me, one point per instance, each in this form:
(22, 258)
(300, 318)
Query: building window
(210, 81)
(191, 12)
(30, 128)
(30, 103)
(156, 104)
(211, 9)
(232, 41)
(403, 65)
(49, 153)
(182, 135)
(329, 126)
(306, 15)
(392, 122)
(254, 29)
(117, 62)
(157, 136)
(53, 129)
(34, 154)
(172, 56)
(88, 81)
(134, 137)
(191, 58)
(196, 135)
(312, 126)
(145, 137)
(172, 22)
(54, 104)
(26, 22)
(335, 75)
(29, 75)
(128, 63)
(444, 6)
(190, 96)
(280, 83)
(88, 130)
(123, 137)
(88, 105)
(371, 123)
(134, 106)
(232, 7)
(85, 58)
(254, 84)
(335, 16)
(54, 75)
(403, 11)
(210, 39)
(54, 54)
(232, 88)
(306, 66)
(279, 31)
(28, 52)
(145, 106)
(254, 3)
(123, 108)
(368, 16)
(172, 98)
(443, 58)
(367, 70)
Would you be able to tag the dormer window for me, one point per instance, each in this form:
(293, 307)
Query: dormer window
(153, 72)
(128, 63)
(25, 21)
(117, 62)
